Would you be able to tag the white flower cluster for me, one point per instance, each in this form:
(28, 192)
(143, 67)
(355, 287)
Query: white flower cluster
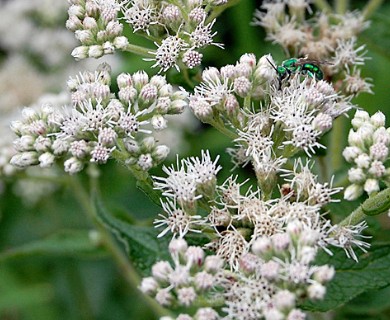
(95, 24)
(193, 276)
(193, 180)
(220, 92)
(327, 37)
(182, 28)
(269, 282)
(179, 29)
(268, 245)
(277, 275)
(99, 122)
(278, 123)
(368, 151)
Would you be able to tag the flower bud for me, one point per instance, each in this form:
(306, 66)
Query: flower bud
(371, 186)
(121, 42)
(213, 264)
(95, 51)
(316, 291)
(80, 53)
(352, 192)
(378, 119)
(90, 23)
(145, 161)
(261, 246)
(84, 36)
(114, 28)
(46, 160)
(350, 153)
(25, 159)
(148, 286)
(140, 78)
(161, 271)
(356, 175)
(73, 165)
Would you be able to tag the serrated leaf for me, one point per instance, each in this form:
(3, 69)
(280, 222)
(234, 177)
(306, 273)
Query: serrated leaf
(63, 243)
(142, 244)
(352, 279)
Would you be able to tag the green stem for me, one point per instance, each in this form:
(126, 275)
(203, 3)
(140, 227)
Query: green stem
(371, 7)
(107, 240)
(221, 128)
(336, 146)
(354, 218)
(247, 103)
(374, 205)
(218, 10)
(141, 51)
(322, 164)
(341, 6)
(323, 5)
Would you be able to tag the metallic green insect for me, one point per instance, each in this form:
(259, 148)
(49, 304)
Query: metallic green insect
(302, 66)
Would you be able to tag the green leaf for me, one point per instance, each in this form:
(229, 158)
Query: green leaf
(63, 243)
(352, 279)
(378, 36)
(141, 243)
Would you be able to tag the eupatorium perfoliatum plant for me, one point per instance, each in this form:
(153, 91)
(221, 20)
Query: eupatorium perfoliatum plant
(277, 225)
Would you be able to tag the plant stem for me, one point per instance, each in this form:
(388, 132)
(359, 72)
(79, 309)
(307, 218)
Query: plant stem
(371, 7)
(141, 51)
(221, 128)
(341, 6)
(336, 148)
(354, 218)
(123, 263)
(374, 205)
(323, 5)
(218, 10)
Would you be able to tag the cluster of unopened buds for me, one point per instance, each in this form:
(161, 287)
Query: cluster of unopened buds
(100, 124)
(179, 30)
(268, 283)
(368, 152)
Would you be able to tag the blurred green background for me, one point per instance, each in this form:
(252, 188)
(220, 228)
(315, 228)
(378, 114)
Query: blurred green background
(44, 284)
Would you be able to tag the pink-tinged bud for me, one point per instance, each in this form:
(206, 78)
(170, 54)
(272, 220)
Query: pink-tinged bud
(73, 23)
(148, 286)
(249, 59)
(262, 246)
(213, 264)
(90, 23)
(161, 271)
(114, 28)
(195, 255)
(324, 274)
(73, 165)
(177, 246)
(140, 78)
